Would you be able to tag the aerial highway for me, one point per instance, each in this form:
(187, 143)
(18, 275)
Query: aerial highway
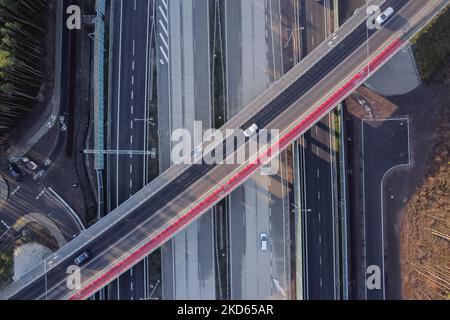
(126, 174)
(167, 205)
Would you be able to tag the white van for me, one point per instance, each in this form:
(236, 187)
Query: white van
(251, 130)
(384, 15)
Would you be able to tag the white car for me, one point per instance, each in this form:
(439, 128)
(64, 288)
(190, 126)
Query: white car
(251, 130)
(264, 241)
(30, 164)
(384, 15)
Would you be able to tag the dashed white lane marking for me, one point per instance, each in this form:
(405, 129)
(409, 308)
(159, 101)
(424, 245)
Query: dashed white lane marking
(7, 226)
(132, 65)
(132, 80)
(131, 169)
(131, 184)
(131, 139)
(320, 238)
(318, 195)
(132, 94)
(40, 195)
(131, 124)
(132, 110)
(318, 174)
(15, 191)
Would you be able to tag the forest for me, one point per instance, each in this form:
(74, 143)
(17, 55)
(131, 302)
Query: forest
(22, 59)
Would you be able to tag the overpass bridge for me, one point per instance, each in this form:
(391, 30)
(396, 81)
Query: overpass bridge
(181, 194)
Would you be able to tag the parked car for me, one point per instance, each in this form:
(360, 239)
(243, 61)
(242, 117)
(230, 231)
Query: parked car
(14, 172)
(30, 164)
(384, 15)
(82, 258)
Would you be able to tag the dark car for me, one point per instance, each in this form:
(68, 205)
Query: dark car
(82, 258)
(14, 172)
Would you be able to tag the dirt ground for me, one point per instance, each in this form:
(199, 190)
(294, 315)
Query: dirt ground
(425, 226)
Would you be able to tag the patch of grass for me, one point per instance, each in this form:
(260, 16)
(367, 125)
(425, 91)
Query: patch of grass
(6, 267)
(432, 46)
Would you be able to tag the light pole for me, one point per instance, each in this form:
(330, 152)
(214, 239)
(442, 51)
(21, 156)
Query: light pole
(292, 34)
(298, 210)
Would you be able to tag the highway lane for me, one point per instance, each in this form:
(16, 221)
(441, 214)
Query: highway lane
(259, 206)
(126, 174)
(318, 157)
(315, 84)
(187, 259)
(245, 26)
(385, 146)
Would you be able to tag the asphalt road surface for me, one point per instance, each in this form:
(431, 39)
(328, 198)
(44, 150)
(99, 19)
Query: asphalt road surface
(126, 174)
(385, 149)
(261, 205)
(318, 157)
(196, 181)
(188, 260)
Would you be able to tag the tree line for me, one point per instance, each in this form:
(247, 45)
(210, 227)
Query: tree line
(22, 58)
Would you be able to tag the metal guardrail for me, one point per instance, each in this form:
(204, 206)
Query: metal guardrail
(99, 72)
(343, 207)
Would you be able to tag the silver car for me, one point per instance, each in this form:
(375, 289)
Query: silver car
(264, 239)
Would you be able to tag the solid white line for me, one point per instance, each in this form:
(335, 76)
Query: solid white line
(147, 67)
(335, 223)
(118, 105)
(364, 205)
